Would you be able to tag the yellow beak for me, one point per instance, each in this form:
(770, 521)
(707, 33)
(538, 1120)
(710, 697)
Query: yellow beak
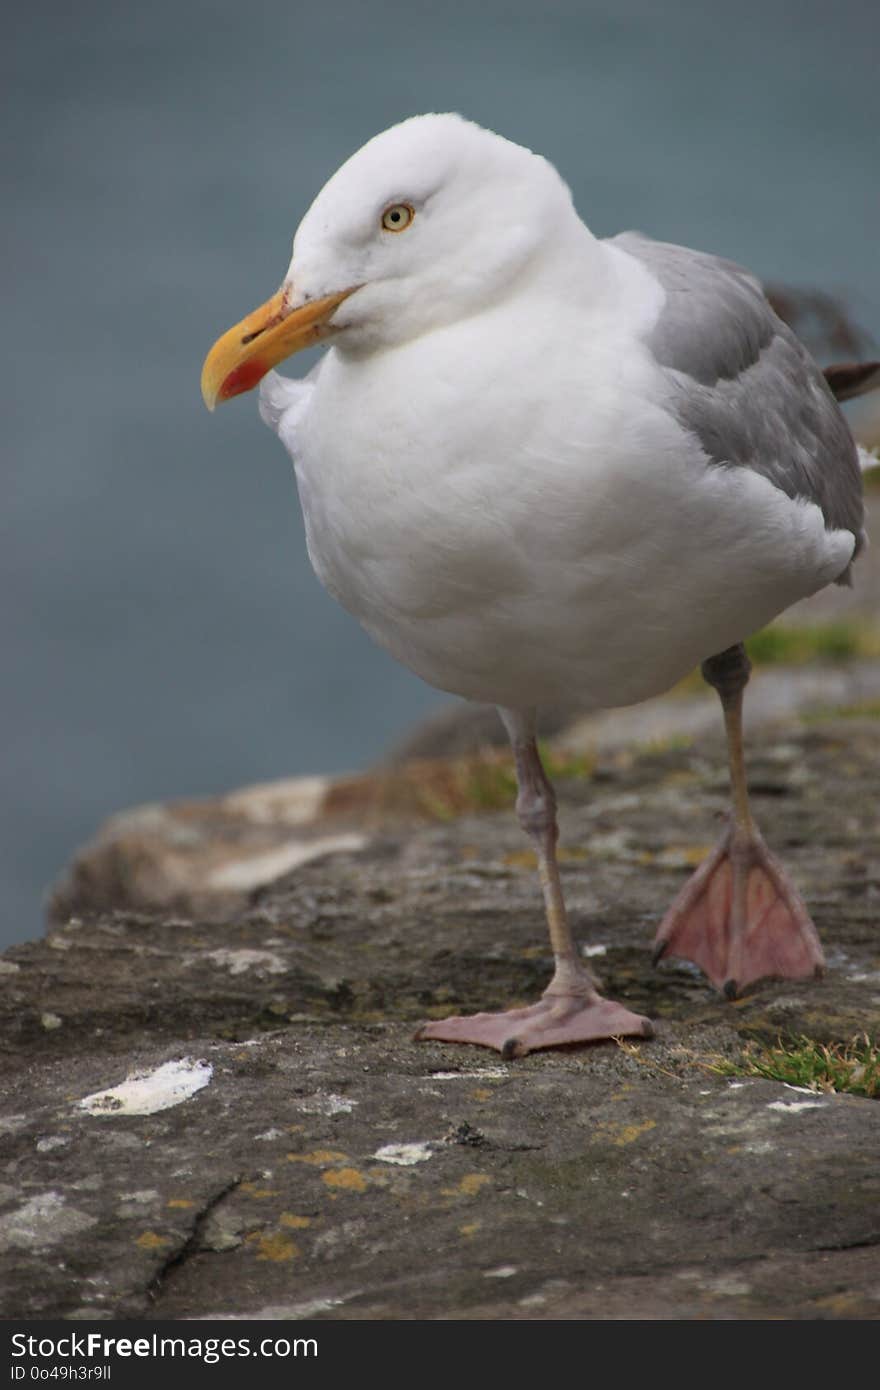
(245, 353)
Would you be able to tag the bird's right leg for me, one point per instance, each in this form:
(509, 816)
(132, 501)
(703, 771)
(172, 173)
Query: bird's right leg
(571, 1010)
(740, 917)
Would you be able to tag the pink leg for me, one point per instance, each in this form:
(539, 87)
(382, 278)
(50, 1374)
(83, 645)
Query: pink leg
(740, 918)
(571, 1009)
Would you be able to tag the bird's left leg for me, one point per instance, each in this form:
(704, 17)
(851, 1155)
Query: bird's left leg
(740, 917)
(571, 1010)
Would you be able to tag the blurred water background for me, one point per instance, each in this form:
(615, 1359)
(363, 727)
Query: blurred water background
(162, 633)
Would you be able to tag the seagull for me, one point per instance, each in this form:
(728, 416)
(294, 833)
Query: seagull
(540, 468)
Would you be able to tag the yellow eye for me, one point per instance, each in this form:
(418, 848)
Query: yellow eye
(398, 217)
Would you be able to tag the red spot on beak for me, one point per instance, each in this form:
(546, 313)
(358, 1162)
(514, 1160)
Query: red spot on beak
(243, 378)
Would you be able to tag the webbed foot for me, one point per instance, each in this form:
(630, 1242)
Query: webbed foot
(555, 1021)
(741, 919)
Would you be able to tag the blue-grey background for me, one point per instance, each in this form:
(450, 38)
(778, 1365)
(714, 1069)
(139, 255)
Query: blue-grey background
(162, 634)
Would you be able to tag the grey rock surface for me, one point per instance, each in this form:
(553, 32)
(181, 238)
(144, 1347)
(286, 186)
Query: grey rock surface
(290, 1152)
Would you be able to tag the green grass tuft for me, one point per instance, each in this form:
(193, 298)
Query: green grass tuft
(862, 709)
(871, 476)
(559, 765)
(853, 1067)
(489, 785)
(794, 646)
(443, 788)
(782, 644)
(490, 782)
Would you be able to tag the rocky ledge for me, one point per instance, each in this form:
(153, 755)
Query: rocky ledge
(212, 1106)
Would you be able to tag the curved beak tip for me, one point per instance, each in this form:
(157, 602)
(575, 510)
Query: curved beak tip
(245, 353)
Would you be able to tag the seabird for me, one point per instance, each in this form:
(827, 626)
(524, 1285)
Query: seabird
(541, 467)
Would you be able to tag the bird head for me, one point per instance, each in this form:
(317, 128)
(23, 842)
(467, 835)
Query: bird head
(431, 221)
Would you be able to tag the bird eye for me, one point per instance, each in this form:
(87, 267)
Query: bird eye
(398, 217)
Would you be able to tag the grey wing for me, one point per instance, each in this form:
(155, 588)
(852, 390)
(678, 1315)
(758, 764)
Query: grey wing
(744, 384)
